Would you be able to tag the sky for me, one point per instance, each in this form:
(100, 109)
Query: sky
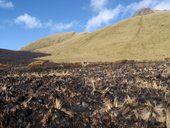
(25, 21)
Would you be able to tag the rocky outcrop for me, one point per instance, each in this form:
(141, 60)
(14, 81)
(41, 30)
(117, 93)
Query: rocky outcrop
(144, 11)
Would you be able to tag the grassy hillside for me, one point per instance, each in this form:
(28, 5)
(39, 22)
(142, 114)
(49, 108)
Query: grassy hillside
(139, 38)
(48, 41)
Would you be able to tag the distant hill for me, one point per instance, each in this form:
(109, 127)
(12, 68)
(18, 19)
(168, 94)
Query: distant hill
(143, 37)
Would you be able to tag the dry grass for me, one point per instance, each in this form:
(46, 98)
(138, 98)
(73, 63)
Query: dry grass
(138, 38)
(129, 100)
(67, 73)
(108, 105)
(48, 41)
(168, 118)
(51, 73)
(93, 85)
(145, 84)
(58, 104)
(3, 66)
(160, 116)
(46, 117)
(116, 102)
(36, 64)
(168, 110)
(166, 73)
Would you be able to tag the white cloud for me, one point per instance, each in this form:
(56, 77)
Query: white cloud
(62, 26)
(6, 4)
(104, 14)
(29, 21)
(59, 26)
(154, 4)
(139, 5)
(163, 5)
(104, 17)
(33, 22)
(133, 7)
(98, 5)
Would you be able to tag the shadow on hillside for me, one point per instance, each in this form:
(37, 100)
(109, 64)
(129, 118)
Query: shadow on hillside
(19, 57)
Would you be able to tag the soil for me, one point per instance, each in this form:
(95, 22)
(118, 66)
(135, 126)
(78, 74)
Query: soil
(90, 95)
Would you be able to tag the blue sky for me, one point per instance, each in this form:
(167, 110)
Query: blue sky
(25, 21)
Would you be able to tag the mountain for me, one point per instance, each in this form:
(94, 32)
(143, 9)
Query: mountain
(143, 37)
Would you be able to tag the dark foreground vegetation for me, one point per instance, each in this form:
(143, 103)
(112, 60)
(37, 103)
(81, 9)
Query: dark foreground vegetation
(19, 57)
(125, 94)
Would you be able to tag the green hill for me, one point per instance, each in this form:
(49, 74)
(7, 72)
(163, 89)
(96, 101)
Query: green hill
(145, 37)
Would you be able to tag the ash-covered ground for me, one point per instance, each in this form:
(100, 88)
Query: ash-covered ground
(117, 95)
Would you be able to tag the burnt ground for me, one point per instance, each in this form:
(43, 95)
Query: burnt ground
(118, 95)
(19, 57)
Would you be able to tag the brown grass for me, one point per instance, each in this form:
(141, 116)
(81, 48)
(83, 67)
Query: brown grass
(2, 66)
(58, 104)
(36, 64)
(168, 110)
(166, 72)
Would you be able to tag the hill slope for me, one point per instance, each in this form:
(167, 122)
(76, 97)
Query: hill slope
(139, 38)
(48, 41)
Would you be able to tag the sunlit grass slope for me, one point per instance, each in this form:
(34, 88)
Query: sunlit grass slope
(139, 38)
(48, 41)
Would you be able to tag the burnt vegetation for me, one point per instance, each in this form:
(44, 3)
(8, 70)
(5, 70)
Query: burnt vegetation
(19, 57)
(122, 94)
